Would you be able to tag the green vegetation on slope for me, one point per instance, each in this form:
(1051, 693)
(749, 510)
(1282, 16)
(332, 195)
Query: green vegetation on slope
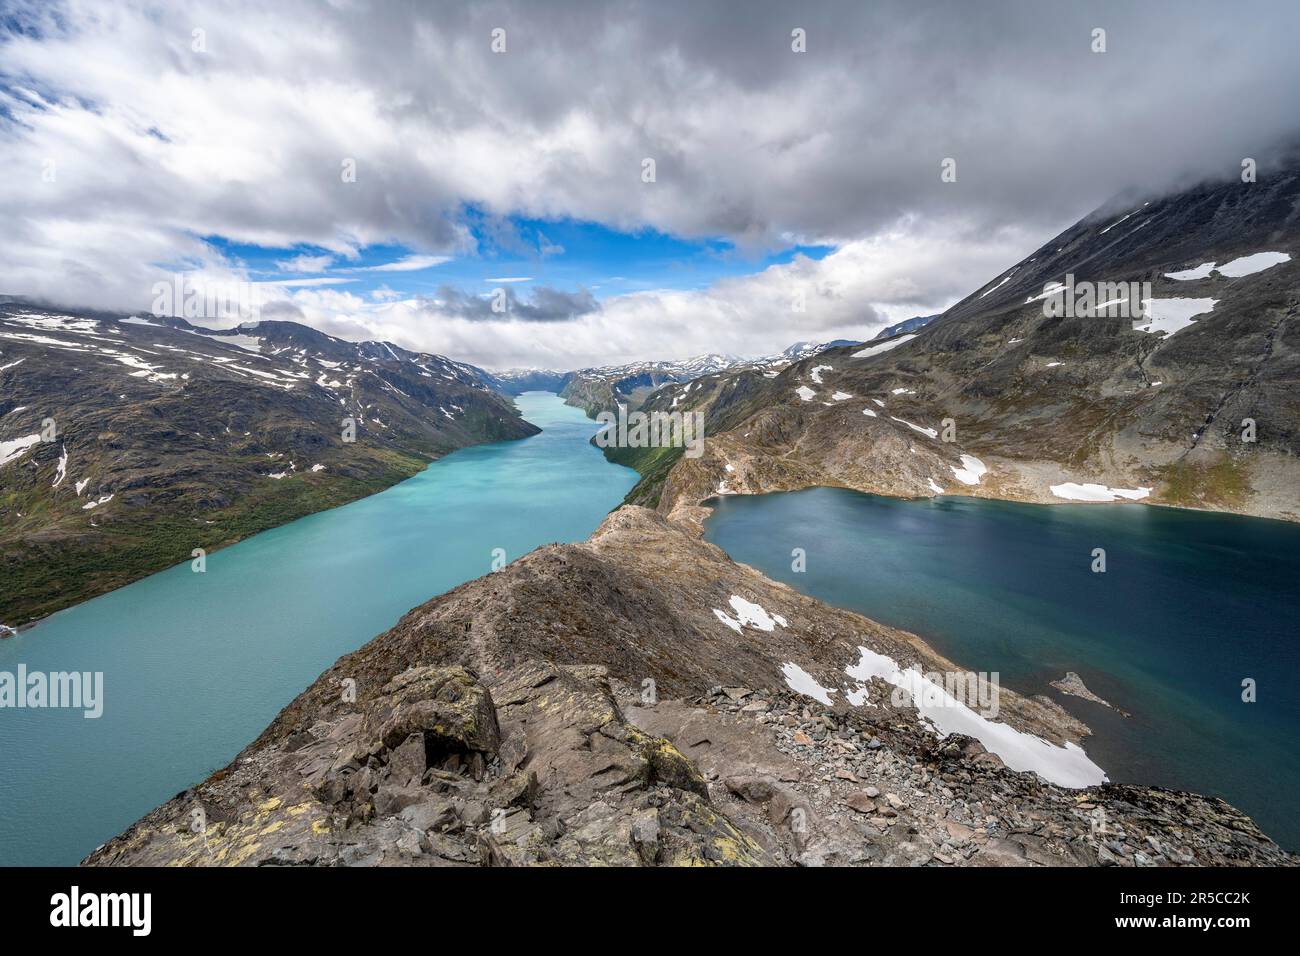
(1219, 486)
(653, 465)
(45, 573)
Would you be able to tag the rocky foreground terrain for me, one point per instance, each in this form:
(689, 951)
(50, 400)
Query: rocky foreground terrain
(126, 442)
(640, 699)
(1197, 407)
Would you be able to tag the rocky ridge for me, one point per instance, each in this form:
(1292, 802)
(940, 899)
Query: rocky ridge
(595, 703)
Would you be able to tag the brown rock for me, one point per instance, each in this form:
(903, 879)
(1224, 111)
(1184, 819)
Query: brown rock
(860, 802)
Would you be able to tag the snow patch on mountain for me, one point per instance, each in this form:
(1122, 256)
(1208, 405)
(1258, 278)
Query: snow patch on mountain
(971, 470)
(1249, 265)
(933, 433)
(16, 447)
(62, 470)
(1095, 492)
(1171, 315)
(1200, 272)
(1067, 766)
(1241, 266)
(801, 682)
(883, 346)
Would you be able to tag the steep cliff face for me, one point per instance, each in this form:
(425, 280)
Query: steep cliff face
(641, 699)
(1195, 403)
(136, 440)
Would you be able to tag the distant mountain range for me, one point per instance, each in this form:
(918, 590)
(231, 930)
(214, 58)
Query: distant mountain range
(601, 388)
(515, 381)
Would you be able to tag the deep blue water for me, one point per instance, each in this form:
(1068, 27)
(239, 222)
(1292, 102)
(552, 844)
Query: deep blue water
(196, 665)
(1190, 605)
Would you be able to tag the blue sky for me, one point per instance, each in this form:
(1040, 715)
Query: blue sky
(565, 254)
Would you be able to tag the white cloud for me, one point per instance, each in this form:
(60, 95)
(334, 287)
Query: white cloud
(408, 264)
(314, 280)
(304, 263)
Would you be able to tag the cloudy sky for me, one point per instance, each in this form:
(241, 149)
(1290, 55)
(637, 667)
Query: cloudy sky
(387, 170)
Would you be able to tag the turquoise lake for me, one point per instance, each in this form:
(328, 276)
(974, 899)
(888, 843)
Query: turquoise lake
(196, 665)
(1190, 605)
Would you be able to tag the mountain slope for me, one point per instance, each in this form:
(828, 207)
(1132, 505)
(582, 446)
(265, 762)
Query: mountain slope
(1049, 407)
(168, 437)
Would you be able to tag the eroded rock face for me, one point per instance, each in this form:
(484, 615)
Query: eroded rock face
(581, 769)
(433, 772)
(446, 708)
(587, 704)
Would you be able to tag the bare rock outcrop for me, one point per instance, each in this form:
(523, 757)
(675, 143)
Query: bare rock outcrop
(1073, 685)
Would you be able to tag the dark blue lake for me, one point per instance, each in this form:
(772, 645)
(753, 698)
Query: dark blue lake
(1191, 604)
